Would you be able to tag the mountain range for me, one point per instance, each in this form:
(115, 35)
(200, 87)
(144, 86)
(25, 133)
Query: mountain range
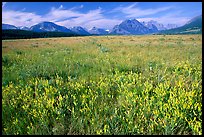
(194, 26)
(127, 27)
(159, 25)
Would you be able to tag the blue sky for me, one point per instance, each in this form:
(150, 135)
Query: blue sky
(98, 14)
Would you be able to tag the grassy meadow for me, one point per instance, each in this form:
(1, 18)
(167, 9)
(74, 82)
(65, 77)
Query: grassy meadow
(141, 85)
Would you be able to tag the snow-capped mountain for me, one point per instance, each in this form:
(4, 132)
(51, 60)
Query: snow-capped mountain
(8, 26)
(79, 30)
(130, 26)
(49, 26)
(98, 31)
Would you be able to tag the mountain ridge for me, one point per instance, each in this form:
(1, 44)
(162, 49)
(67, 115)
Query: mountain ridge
(126, 27)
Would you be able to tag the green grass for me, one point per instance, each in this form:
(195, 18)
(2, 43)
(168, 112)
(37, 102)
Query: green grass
(102, 85)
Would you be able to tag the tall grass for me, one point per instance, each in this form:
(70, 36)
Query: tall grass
(102, 85)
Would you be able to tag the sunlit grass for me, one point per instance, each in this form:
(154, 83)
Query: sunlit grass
(102, 85)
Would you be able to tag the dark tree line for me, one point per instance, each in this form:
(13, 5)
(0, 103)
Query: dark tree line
(23, 34)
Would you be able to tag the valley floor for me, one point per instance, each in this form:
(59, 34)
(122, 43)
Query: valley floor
(102, 85)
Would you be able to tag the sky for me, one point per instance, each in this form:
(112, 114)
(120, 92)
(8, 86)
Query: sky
(98, 14)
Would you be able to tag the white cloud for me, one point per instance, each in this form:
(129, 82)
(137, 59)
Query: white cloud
(3, 4)
(172, 17)
(132, 11)
(77, 7)
(102, 23)
(90, 19)
(73, 17)
(70, 17)
(20, 18)
(61, 7)
(55, 15)
(61, 16)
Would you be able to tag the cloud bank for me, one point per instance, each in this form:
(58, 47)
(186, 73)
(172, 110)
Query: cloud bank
(61, 16)
(133, 11)
(96, 17)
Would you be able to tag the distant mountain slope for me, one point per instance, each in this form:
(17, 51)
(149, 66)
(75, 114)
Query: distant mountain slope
(194, 26)
(98, 31)
(8, 26)
(159, 26)
(79, 30)
(49, 26)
